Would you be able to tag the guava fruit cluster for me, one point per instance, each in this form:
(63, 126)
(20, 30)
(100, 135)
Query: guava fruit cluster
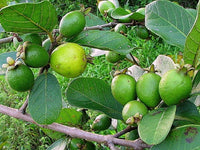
(137, 97)
(30, 54)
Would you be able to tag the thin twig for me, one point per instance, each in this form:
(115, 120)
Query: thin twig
(22, 109)
(128, 129)
(75, 132)
(6, 40)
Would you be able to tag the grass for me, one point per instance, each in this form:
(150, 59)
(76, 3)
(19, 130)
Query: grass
(22, 135)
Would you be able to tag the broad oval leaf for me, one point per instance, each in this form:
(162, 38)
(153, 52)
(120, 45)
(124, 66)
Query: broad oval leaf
(45, 101)
(105, 40)
(191, 53)
(3, 57)
(58, 145)
(188, 111)
(29, 17)
(169, 20)
(93, 93)
(181, 138)
(155, 126)
(196, 84)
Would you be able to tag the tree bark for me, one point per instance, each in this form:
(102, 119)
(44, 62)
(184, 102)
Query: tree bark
(75, 132)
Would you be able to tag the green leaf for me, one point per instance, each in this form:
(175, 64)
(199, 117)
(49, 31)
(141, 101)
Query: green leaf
(93, 94)
(29, 17)
(196, 84)
(169, 20)
(105, 40)
(192, 12)
(120, 13)
(45, 101)
(155, 126)
(69, 117)
(182, 138)
(53, 134)
(3, 3)
(3, 57)
(92, 20)
(188, 111)
(58, 145)
(191, 53)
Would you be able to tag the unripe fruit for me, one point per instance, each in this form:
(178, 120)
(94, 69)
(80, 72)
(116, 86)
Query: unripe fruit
(175, 86)
(133, 108)
(69, 60)
(147, 89)
(72, 24)
(123, 88)
(102, 122)
(36, 56)
(104, 6)
(142, 32)
(120, 28)
(114, 57)
(20, 78)
(76, 144)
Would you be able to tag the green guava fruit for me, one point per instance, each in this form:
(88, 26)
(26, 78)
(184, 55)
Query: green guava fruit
(101, 122)
(20, 78)
(69, 60)
(36, 56)
(132, 108)
(114, 57)
(72, 24)
(76, 144)
(120, 28)
(175, 86)
(142, 32)
(147, 89)
(123, 88)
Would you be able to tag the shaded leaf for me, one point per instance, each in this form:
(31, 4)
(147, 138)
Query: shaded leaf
(188, 111)
(181, 138)
(53, 134)
(70, 117)
(45, 101)
(58, 145)
(92, 20)
(93, 94)
(105, 40)
(155, 126)
(29, 17)
(191, 53)
(169, 20)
